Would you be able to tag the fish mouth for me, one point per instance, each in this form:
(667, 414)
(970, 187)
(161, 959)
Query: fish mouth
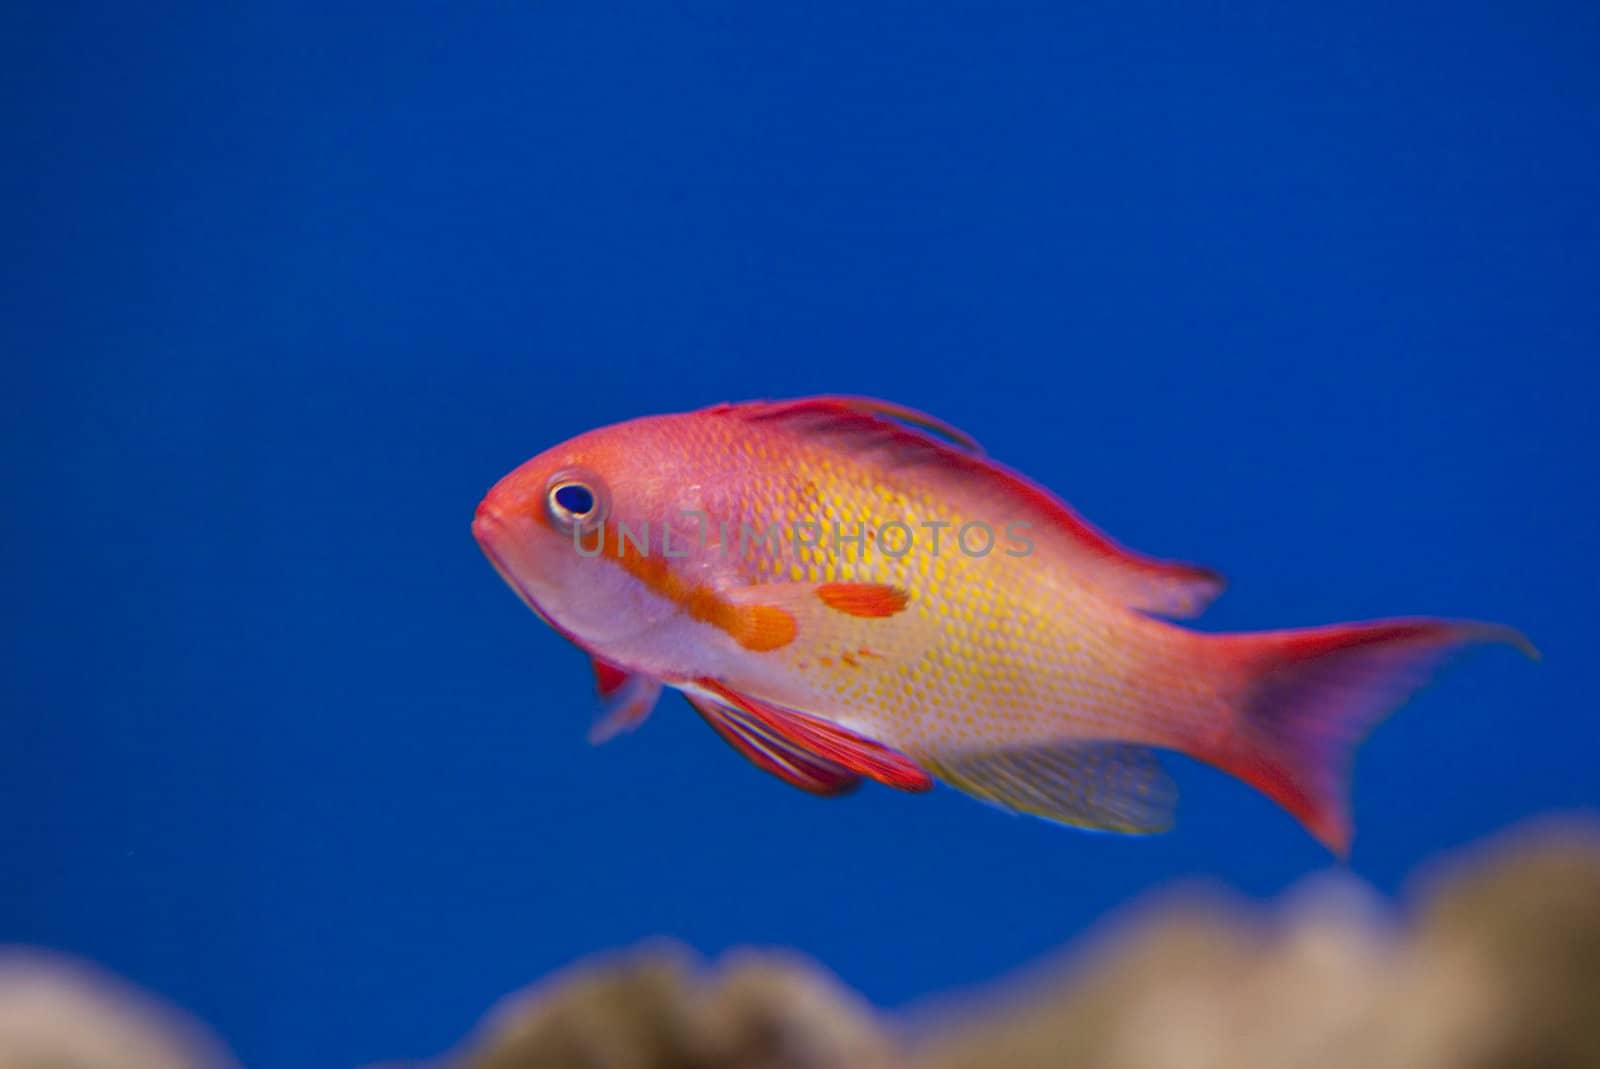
(487, 525)
(491, 531)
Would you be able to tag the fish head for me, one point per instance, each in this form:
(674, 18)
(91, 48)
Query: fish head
(552, 528)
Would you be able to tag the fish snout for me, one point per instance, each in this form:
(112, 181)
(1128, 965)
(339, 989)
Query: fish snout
(496, 538)
(485, 510)
(488, 522)
(503, 520)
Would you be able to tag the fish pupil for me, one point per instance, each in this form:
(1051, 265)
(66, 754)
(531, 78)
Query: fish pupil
(576, 500)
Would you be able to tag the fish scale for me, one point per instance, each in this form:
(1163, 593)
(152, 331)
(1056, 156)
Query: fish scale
(1007, 655)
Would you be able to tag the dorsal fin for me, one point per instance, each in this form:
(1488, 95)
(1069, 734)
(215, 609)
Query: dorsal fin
(863, 406)
(898, 438)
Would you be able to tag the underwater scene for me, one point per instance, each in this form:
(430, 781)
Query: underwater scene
(739, 536)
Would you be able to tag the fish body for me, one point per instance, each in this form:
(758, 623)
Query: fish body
(848, 589)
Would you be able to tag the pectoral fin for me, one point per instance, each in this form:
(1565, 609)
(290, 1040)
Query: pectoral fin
(627, 698)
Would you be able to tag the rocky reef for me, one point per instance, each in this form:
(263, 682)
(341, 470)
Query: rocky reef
(1495, 963)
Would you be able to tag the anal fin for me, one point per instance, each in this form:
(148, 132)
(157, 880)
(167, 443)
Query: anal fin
(1106, 786)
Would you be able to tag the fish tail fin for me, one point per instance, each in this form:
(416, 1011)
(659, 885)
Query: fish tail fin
(1302, 700)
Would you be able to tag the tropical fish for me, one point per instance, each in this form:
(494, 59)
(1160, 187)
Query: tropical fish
(846, 589)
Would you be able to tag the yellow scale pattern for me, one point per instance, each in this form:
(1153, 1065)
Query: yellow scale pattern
(1001, 651)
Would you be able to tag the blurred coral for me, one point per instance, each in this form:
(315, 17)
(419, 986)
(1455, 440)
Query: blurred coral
(654, 1008)
(59, 1013)
(1498, 966)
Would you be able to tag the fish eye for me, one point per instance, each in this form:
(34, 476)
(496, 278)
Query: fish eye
(576, 499)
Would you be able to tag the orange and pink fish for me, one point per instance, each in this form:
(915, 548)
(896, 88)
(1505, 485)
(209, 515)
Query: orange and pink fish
(846, 589)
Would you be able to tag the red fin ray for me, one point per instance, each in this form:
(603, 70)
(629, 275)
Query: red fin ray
(868, 407)
(772, 753)
(608, 678)
(829, 741)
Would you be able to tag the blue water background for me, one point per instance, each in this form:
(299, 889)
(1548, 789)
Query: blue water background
(1310, 297)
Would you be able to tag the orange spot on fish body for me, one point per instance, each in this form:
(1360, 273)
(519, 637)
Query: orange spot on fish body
(863, 599)
(760, 628)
